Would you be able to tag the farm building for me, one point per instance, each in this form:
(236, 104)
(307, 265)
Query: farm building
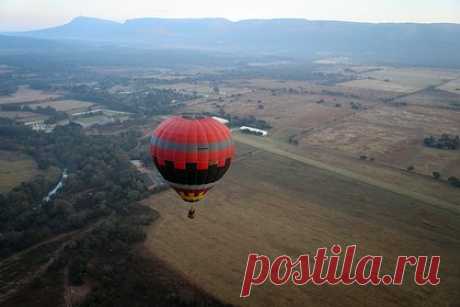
(221, 120)
(252, 130)
(39, 125)
(87, 113)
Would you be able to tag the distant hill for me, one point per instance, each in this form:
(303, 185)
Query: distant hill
(398, 43)
(14, 42)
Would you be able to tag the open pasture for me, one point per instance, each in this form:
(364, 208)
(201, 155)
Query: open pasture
(451, 86)
(357, 138)
(408, 183)
(426, 120)
(26, 94)
(415, 78)
(429, 160)
(320, 116)
(205, 88)
(69, 106)
(14, 169)
(298, 111)
(402, 80)
(433, 98)
(273, 205)
(200, 88)
(392, 135)
(23, 116)
(379, 85)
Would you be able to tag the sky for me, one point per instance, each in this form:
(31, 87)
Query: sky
(20, 15)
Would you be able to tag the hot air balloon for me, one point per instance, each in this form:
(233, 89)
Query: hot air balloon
(192, 153)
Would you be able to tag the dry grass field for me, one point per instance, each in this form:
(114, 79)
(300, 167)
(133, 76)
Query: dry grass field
(412, 184)
(433, 98)
(201, 88)
(429, 160)
(25, 94)
(205, 88)
(415, 78)
(451, 86)
(403, 80)
(380, 85)
(393, 136)
(69, 106)
(14, 169)
(322, 117)
(311, 107)
(276, 205)
(22, 116)
(357, 137)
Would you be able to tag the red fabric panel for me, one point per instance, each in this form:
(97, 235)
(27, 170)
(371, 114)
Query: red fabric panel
(192, 131)
(201, 156)
(181, 130)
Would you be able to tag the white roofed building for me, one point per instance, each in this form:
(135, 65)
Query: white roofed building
(252, 130)
(221, 120)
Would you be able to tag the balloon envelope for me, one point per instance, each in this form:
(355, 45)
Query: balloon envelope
(192, 153)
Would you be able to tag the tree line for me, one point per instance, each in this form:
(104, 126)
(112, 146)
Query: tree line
(445, 141)
(101, 180)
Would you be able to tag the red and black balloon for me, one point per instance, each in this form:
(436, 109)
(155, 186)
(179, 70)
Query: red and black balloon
(192, 153)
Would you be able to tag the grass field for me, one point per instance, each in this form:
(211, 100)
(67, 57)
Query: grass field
(310, 107)
(204, 88)
(371, 172)
(22, 116)
(25, 94)
(322, 116)
(14, 169)
(402, 80)
(416, 78)
(452, 86)
(379, 85)
(391, 135)
(69, 106)
(433, 98)
(277, 205)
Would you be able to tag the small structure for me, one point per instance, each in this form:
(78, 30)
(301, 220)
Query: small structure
(87, 113)
(40, 125)
(252, 130)
(99, 117)
(221, 120)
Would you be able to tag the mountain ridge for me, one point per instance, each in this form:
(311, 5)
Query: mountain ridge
(435, 44)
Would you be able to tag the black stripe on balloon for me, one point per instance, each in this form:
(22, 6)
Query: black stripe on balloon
(191, 175)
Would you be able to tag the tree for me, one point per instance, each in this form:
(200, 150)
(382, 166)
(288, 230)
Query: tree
(77, 270)
(410, 168)
(133, 195)
(63, 207)
(454, 181)
(436, 175)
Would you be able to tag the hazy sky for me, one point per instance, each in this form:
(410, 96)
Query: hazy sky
(31, 14)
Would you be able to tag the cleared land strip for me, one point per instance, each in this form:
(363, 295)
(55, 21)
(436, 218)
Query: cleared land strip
(347, 173)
